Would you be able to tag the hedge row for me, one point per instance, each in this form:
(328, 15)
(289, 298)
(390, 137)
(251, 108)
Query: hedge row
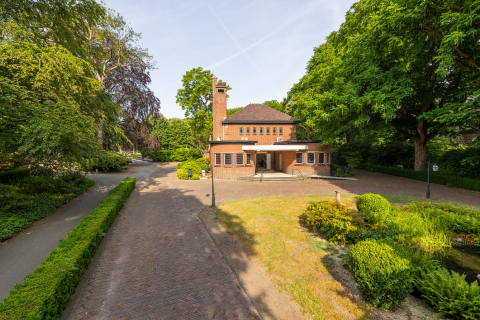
(107, 161)
(14, 174)
(44, 294)
(181, 154)
(435, 177)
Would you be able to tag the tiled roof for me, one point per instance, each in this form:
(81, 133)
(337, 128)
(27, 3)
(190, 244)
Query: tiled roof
(221, 85)
(259, 113)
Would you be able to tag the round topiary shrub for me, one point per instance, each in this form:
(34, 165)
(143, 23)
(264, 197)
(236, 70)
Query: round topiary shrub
(382, 277)
(375, 207)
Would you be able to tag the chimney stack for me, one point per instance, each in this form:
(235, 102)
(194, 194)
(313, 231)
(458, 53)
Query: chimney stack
(219, 107)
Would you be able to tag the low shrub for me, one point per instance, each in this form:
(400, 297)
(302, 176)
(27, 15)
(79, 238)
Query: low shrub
(445, 179)
(14, 174)
(196, 166)
(44, 294)
(449, 293)
(374, 207)
(381, 275)
(107, 162)
(181, 154)
(27, 200)
(136, 154)
(330, 218)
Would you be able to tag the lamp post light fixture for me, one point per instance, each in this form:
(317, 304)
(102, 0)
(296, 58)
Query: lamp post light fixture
(435, 169)
(213, 190)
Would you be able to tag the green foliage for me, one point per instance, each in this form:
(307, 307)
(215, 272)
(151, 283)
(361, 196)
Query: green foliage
(375, 207)
(45, 293)
(382, 276)
(196, 166)
(181, 154)
(385, 69)
(233, 110)
(448, 180)
(447, 217)
(331, 218)
(351, 156)
(26, 200)
(107, 162)
(449, 293)
(14, 174)
(275, 105)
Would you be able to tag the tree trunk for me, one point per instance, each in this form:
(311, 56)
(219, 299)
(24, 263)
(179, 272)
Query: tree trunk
(420, 153)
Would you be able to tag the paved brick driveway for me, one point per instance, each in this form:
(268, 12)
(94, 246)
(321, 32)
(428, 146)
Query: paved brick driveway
(159, 263)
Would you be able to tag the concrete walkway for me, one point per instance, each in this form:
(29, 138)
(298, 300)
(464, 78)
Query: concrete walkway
(22, 254)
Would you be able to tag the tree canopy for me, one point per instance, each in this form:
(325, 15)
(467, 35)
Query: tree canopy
(408, 66)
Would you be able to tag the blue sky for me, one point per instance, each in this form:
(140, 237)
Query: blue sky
(260, 48)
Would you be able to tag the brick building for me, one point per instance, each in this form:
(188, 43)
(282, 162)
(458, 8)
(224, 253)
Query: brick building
(260, 138)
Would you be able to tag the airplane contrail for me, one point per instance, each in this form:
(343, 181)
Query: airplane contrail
(268, 35)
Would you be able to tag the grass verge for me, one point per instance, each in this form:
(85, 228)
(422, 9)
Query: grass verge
(44, 294)
(272, 234)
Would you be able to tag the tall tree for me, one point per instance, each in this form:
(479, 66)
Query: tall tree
(394, 64)
(195, 97)
(123, 66)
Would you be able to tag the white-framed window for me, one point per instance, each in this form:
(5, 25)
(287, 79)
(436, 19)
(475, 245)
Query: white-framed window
(280, 130)
(310, 158)
(239, 159)
(268, 130)
(248, 130)
(328, 158)
(261, 130)
(241, 130)
(321, 158)
(254, 130)
(227, 160)
(274, 130)
(299, 158)
(249, 159)
(218, 159)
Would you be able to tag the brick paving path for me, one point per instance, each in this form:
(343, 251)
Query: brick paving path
(159, 263)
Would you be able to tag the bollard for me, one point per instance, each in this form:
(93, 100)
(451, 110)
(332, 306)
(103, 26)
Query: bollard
(96, 171)
(338, 195)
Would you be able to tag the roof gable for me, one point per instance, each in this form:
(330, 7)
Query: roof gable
(259, 113)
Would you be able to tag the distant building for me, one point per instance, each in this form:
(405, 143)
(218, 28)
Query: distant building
(257, 138)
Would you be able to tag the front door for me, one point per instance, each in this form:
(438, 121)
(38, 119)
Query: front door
(280, 161)
(269, 161)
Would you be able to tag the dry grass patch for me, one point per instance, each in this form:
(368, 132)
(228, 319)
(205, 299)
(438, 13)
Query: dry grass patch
(273, 235)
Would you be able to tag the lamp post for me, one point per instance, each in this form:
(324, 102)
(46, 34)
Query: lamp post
(435, 169)
(213, 190)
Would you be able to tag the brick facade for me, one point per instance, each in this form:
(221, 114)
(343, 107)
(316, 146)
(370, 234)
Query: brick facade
(266, 134)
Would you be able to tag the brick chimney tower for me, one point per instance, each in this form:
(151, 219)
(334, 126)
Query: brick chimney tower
(219, 107)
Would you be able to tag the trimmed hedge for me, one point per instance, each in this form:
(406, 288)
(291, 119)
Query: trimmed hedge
(381, 275)
(375, 207)
(107, 161)
(196, 166)
(331, 218)
(448, 180)
(181, 154)
(44, 294)
(14, 174)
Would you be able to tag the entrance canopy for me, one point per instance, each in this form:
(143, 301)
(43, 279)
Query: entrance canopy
(275, 147)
